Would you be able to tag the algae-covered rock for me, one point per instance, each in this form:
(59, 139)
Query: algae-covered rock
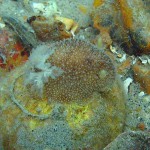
(126, 22)
(90, 114)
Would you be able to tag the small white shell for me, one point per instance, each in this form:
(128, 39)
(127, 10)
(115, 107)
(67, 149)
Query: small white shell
(127, 83)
